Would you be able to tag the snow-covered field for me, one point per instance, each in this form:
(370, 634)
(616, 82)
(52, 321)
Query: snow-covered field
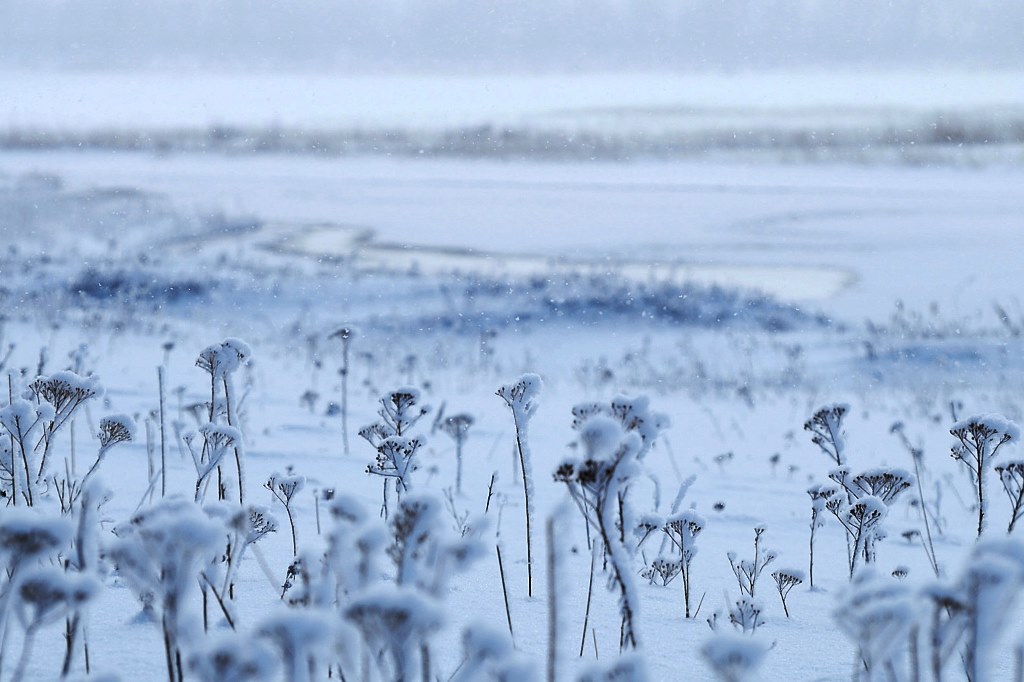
(740, 297)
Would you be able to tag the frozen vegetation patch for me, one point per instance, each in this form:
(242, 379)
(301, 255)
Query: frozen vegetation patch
(626, 134)
(123, 287)
(595, 299)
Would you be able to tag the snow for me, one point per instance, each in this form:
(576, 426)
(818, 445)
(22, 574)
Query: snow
(733, 656)
(600, 436)
(301, 246)
(997, 423)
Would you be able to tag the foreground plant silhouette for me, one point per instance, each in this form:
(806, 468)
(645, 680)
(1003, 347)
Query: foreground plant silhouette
(595, 483)
(521, 398)
(980, 439)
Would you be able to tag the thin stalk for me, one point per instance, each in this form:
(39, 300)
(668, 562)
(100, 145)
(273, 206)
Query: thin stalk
(490, 493)
(526, 495)
(163, 434)
(168, 652)
(814, 524)
(552, 603)
(220, 602)
(924, 513)
(590, 594)
(344, 394)
(71, 636)
(236, 448)
(28, 474)
(504, 592)
(291, 522)
(981, 494)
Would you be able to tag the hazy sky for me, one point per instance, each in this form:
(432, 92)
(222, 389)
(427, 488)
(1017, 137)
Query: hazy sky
(505, 35)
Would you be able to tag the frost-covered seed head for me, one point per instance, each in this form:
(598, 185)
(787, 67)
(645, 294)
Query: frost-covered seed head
(117, 428)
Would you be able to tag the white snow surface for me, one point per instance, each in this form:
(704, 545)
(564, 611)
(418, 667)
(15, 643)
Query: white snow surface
(843, 240)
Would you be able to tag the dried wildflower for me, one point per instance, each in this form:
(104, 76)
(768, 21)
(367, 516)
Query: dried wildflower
(114, 429)
(979, 440)
(785, 580)
(827, 427)
(457, 428)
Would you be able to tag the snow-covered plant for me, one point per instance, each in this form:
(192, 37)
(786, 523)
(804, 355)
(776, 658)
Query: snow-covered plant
(85, 559)
(395, 461)
(682, 529)
(65, 392)
(745, 614)
(861, 520)
(647, 525)
(487, 654)
(160, 553)
(978, 441)
(26, 540)
(399, 411)
(22, 421)
(878, 614)
(748, 572)
(220, 361)
(945, 624)
(425, 553)
(626, 667)
(863, 506)
(521, 398)
(44, 595)
(633, 414)
(302, 638)
(457, 428)
(355, 545)
(827, 426)
(733, 657)
(231, 657)
(664, 570)
(114, 430)
(285, 487)
(397, 620)
(990, 587)
(917, 457)
(595, 484)
(887, 484)
(344, 335)
(785, 580)
(244, 527)
(26, 537)
(218, 441)
(1011, 475)
(820, 495)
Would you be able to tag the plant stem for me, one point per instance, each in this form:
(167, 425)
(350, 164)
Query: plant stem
(526, 495)
(504, 592)
(237, 449)
(291, 522)
(590, 594)
(552, 603)
(344, 394)
(26, 653)
(163, 435)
